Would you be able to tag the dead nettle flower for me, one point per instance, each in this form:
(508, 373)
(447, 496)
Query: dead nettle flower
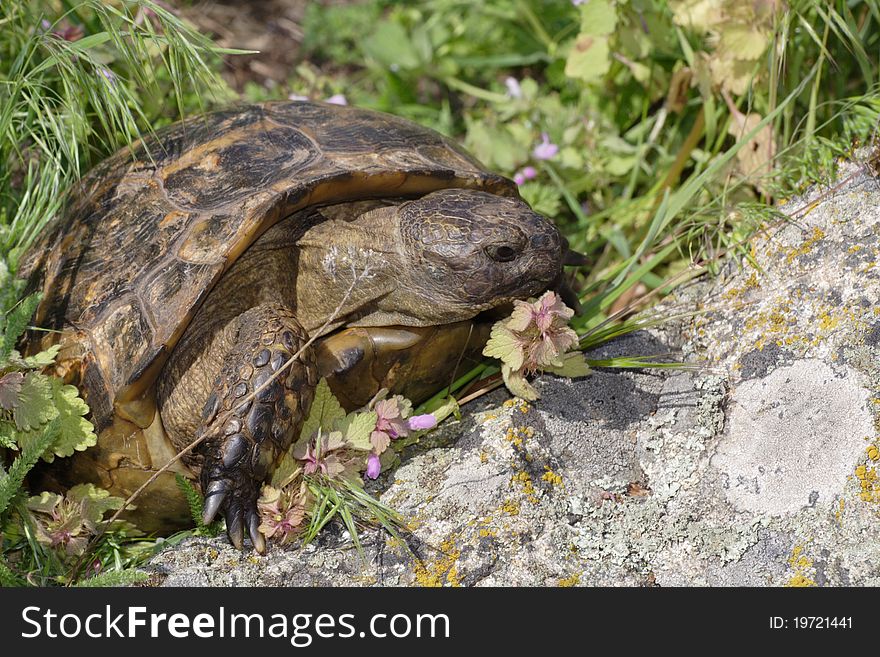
(514, 90)
(336, 99)
(524, 174)
(64, 30)
(394, 421)
(546, 149)
(282, 512)
(536, 337)
(374, 466)
(68, 521)
(323, 454)
(109, 75)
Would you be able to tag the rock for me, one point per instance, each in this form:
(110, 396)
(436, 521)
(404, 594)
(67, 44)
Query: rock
(758, 468)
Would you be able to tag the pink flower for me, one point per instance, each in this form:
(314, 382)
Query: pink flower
(297, 97)
(546, 149)
(337, 99)
(322, 456)
(374, 467)
(422, 422)
(526, 173)
(513, 88)
(108, 74)
(281, 514)
(393, 422)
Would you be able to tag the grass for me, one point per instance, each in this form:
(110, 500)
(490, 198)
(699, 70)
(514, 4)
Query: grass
(680, 126)
(78, 80)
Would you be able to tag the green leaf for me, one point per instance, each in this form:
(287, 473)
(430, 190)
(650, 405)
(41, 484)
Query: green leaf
(505, 346)
(115, 578)
(288, 469)
(589, 58)
(64, 404)
(16, 322)
(356, 429)
(326, 411)
(574, 364)
(6, 438)
(77, 433)
(193, 498)
(11, 481)
(391, 47)
(743, 42)
(8, 579)
(34, 402)
(44, 358)
(517, 384)
(598, 18)
(94, 502)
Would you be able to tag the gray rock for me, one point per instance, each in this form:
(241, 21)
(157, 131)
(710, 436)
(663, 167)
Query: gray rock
(758, 468)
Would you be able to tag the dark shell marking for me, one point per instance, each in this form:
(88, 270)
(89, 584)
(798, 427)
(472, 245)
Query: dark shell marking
(150, 231)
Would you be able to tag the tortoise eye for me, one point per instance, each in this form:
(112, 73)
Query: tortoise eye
(500, 252)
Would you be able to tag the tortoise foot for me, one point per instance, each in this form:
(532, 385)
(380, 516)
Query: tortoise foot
(252, 417)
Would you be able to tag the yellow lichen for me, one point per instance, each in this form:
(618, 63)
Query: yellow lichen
(802, 566)
(806, 246)
(551, 477)
(510, 507)
(572, 580)
(443, 571)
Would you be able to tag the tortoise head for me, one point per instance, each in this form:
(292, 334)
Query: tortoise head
(471, 251)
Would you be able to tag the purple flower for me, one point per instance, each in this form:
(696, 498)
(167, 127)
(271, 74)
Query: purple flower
(322, 456)
(337, 99)
(578, 3)
(546, 149)
(513, 88)
(374, 467)
(297, 97)
(527, 173)
(108, 74)
(281, 514)
(421, 422)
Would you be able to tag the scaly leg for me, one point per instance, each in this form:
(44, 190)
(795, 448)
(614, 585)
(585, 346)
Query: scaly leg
(247, 437)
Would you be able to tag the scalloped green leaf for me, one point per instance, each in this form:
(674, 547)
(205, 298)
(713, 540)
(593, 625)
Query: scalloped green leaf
(63, 403)
(34, 406)
(326, 411)
(505, 346)
(357, 427)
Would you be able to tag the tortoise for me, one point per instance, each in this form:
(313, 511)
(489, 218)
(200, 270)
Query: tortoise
(188, 268)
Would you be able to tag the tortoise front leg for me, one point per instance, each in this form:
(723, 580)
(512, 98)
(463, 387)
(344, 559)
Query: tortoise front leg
(247, 434)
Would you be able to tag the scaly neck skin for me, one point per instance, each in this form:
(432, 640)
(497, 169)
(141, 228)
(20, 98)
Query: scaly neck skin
(359, 261)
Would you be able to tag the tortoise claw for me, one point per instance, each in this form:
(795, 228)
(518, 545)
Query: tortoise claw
(235, 525)
(214, 497)
(253, 523)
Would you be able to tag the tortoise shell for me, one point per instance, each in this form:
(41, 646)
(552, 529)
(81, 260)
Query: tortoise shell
(150, 231)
